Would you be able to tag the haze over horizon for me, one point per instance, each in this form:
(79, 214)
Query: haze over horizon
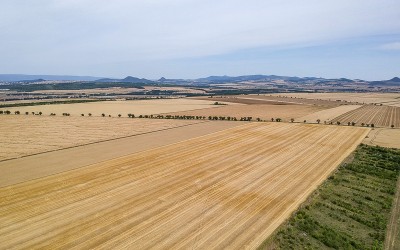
(357, 39)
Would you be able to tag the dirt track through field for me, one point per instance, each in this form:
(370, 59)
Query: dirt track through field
(230, 189)
(392, 239)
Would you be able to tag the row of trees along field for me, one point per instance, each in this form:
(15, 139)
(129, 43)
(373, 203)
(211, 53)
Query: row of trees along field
(192, 117)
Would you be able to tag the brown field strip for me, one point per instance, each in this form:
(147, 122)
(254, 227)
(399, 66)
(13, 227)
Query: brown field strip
(381, 116)
(230, 189)
(23, 135)
(270, 99)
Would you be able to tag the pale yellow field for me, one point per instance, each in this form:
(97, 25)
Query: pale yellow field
(384, 137)
(263, 111)
(139, 107)
(328, 114)
(23, 135)
(227, 190)
(392, 99)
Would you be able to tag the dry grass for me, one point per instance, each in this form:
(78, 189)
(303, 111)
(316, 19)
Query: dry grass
(140, 107)
(381, 116)
(25, 135)
(225, 190)
(264, 111)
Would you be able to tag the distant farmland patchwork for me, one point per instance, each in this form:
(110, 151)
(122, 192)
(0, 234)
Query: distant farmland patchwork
(230, 189)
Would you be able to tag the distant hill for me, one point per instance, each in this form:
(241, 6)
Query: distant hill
(21, 77)
(129, 79)
(395, 81)
(216, 79)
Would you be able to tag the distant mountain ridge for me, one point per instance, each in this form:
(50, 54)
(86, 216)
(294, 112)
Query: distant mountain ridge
(23, 77)
(163, 80)
(129, 79)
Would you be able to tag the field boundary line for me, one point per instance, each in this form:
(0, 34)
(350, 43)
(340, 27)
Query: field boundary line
(106, 140)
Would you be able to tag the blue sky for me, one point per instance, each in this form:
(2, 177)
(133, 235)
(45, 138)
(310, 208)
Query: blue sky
(197, 38)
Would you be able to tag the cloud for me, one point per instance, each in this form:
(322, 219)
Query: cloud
(76, 33)
(390, 46)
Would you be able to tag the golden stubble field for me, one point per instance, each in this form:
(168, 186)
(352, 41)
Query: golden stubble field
(382, 116)
(229, 189)
(262, 111)
(139, 107)
(391, 99)
(23, 135)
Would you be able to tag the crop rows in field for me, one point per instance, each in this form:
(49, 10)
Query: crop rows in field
(383, 116)
(230, 189)
(23, 135)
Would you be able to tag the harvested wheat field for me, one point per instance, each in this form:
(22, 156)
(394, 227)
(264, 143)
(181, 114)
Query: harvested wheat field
(23, 135)
(392, 99)
(271, 99)
(381, 116)
(139, 107)
(384, 137)
(328, 114)
(264, 111)
(230, 189)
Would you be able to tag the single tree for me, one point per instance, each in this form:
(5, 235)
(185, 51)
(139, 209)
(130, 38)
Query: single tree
(338, 122)
(90, 114)
(292, 120)
(392, 126)
(26, 113)
(318, 121)
(17, 112)
(305, 121)
(119, 115)
(40, 113)
(103, 115)
(82, 114)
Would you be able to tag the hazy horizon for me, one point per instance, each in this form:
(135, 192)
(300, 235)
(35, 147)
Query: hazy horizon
(193, 39)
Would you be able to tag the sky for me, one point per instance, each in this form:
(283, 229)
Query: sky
(357, 39)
